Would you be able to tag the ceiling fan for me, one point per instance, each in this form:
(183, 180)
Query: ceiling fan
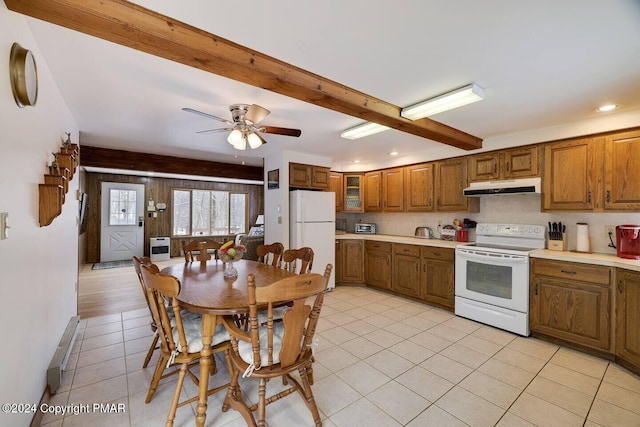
(244, 127)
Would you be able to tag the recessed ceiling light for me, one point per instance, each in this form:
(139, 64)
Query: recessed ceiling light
(394, 153)
(356, 161)
(608, 107)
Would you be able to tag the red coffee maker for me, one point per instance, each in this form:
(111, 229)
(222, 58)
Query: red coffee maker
(628, 241)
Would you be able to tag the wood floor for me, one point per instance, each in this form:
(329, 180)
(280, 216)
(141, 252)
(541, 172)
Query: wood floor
(114, 290)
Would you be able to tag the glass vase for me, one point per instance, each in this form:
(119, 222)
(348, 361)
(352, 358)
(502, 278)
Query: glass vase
(230, 270)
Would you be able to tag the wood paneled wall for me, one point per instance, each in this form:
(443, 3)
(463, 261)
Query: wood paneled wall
(160, 189)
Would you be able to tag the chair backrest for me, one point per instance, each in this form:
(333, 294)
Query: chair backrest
(271, 254)
(201, 246)
(299, 320)
(160, 288)
(291, 257)
(137, 265)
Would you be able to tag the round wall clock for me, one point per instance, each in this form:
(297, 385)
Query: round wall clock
(24, 76)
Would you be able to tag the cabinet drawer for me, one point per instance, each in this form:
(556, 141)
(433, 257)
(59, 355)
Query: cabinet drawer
(438, 253)
(377, 246)
(411, 250)
(569, 270)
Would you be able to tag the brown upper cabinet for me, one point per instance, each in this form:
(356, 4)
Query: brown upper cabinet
(418, 188)
(393, 190)
(505, 164)
(353, 194)
(570, 175)
(622, 171)
(451, 180)
(308, 176)
(373, 191)
(336, 185)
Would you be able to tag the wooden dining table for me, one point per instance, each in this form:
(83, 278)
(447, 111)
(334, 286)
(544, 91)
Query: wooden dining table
(205, 290)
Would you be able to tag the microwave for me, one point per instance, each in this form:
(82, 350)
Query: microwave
(365, 228)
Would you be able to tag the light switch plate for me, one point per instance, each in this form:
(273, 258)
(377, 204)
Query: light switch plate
(4, 217)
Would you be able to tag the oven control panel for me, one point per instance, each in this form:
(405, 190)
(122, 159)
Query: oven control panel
(511, 230)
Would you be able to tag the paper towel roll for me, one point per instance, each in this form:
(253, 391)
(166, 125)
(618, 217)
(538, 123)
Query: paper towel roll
(582, 237)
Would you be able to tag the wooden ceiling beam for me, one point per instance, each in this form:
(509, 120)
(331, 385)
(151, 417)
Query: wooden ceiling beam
(129, 160)
(138, 28)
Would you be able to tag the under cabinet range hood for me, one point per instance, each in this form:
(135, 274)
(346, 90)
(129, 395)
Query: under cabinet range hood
(504, 187)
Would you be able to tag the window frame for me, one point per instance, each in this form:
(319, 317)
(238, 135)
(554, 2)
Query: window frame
(230, 194)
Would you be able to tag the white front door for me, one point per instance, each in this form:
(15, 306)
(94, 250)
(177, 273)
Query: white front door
(122, 218)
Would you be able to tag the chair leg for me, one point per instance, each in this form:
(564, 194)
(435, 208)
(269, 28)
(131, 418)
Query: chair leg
(147, 359)
(262, 392)
(308, 395)
(157, 375)
(176, 395)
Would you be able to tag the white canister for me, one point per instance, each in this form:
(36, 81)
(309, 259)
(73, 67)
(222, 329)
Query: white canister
(582, 237)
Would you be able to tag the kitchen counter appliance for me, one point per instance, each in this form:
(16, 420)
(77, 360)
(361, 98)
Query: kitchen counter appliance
(628, 241)
(492, 275)
(363, 228)
(424, 232)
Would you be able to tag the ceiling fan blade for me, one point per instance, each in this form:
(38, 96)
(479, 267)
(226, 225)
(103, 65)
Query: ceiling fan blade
(200, 113)
(214, 130)
(256, 114)
(281, 131)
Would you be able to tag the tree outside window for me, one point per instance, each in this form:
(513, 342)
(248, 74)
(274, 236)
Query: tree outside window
(209, 213)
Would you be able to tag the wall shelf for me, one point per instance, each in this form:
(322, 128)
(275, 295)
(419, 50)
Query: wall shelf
(52, 193)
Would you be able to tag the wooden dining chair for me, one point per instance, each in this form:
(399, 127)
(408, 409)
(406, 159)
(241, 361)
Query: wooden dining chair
(198, 249)
(137, 263)
(276, 349)
(271, 254)
(180, 338)
(292, 256)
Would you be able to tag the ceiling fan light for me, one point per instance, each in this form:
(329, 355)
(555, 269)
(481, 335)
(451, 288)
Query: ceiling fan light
(235, 137)
(448, 101)
(254, 140)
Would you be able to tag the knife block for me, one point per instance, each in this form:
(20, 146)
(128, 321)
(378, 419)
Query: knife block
(558, 245)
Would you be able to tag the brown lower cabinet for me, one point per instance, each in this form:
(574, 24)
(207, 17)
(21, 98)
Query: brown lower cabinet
(406, 270)
(417, 271)
(628, 319)
(377, 264)
(572, 302)
(351, 253)
(438, 276)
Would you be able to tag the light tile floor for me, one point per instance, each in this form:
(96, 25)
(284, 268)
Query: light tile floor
(381, 360)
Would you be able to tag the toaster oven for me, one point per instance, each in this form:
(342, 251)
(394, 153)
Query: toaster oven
(365, 228)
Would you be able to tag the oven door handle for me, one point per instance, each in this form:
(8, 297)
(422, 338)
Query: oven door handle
(482, 256)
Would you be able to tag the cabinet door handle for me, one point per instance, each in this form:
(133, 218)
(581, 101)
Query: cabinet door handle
(495, 167)
(589, 196)
(508, 165)
(568, 272)
(608, 196)
(620, 286)
(424, 268)
(536, 289)
(429, 203)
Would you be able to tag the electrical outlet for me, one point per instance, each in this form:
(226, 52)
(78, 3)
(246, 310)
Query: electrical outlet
(610, 230)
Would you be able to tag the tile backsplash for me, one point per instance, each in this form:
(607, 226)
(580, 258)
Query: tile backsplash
(516, 209)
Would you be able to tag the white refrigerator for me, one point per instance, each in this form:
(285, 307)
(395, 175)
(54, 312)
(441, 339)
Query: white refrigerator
(312, 223)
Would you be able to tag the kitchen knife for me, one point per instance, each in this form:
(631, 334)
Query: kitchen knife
(550, 231)
(560, 230)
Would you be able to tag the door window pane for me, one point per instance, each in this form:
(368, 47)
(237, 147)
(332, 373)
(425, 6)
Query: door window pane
(122, 207)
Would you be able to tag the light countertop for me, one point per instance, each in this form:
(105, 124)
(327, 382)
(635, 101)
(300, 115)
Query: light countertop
(570, 256)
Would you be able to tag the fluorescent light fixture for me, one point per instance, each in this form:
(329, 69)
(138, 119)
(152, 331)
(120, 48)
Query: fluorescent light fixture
(363, 130)
(394, 153)
(448, 101)
(608, 107)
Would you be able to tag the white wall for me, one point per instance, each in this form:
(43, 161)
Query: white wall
(276, 201)
(39, 264)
